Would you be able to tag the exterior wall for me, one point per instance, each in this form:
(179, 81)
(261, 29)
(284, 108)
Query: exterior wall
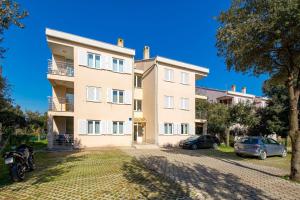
(175, 115)
(100, 110)
(148, 104)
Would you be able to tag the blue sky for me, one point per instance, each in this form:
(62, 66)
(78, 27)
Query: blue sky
(181, 30)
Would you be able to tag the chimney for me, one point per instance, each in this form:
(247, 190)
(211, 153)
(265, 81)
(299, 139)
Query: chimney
(233, 88)
(120, 42)
(146, 52)
(244, 90)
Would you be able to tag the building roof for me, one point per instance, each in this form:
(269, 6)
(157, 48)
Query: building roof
(89, 42)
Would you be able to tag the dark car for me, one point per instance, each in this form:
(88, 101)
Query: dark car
(202, 141)
(260, 147)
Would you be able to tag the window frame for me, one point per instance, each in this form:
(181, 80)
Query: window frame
(118, 127)
(95, 88)
(184, 103)
(168, 128)
(136, 76)
(118, 96)
(118, 65)
(170, 75)
(186, 127)
(170, 103)
(94, 65)
(135, 105)
(184, 78)
(93, 127)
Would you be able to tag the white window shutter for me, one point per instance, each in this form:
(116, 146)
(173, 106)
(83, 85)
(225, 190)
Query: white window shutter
(103, 127)
(128, 66)
(181, 103)
(161, 129)
(109, 125)
(109, 95)
(187, 79)
(175, 129)
(182, 77)
(166, 101)
(82, 57)
(166, 74)
(171, 102)
(98, 94)
(171, 75)
(179, 128)
(108, 62)
(187, 104)
(128, 127)
(128, 97)
(82, 126)
(191, 129)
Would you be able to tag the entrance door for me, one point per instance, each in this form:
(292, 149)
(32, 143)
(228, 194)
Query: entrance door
(199, 129)
(138, 133)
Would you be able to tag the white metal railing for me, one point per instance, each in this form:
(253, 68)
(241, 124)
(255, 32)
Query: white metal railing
(60, 68)
(60, 104)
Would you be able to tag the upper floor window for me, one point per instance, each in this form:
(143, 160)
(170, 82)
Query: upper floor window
(184, 78)
(93, 127)
(137, 81)
(169, 75)
(118, 127)
(184, 103)
(168, 128)
(169, 102)
(184, 129)
(137, 105)
(93, 60)
(118, 65)
(93, 93)
(118, 96)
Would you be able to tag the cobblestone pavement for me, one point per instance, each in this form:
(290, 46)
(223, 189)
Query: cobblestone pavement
(209, 177)
(105, 174)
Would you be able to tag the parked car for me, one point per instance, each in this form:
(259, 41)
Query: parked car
(259, 146)
(202, 141)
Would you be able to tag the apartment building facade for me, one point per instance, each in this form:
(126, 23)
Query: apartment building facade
(101, 96)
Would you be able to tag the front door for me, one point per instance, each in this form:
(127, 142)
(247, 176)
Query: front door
(138, 133)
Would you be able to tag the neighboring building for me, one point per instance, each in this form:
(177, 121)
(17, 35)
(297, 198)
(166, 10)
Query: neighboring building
(231, 97)
(102, 97)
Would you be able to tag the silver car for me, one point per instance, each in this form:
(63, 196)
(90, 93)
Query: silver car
(260, 147)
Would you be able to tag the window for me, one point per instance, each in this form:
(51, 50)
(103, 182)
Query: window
(168, 128)
(137, 81)
(169, 74)
(93, 93)
(184, 129)
(118, 65)
(184, 78)
(118, 127)
(169, 101)
(184, 103)
(118, 96)
(137, 105)
(93, 60)
(93, 127)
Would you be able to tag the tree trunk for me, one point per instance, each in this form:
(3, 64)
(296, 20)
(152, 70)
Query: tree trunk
(294, 131)
(227, 136)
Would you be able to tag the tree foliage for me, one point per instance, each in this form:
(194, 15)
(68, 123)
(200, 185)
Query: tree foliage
(264, 37)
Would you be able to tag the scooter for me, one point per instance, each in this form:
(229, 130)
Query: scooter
(19, 162)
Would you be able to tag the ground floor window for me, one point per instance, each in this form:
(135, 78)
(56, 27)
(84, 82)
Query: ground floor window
(168, 128)
(184, 129)
(93, 127)
(118, 127)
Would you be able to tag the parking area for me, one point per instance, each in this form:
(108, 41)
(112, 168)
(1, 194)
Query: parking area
(205, 174)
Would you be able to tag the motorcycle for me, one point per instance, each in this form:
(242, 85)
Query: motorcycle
(19, 162)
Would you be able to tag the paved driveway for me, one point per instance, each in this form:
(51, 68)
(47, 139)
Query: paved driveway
(208, 177)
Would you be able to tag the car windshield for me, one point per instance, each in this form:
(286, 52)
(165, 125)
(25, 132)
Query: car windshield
(192, 138)
(248, 140)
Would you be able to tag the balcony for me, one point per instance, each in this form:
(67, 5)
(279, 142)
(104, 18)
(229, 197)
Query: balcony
(60, 68)
(61, 105)
(200, 116)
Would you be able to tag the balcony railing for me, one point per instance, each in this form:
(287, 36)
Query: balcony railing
(201, 115)
(60, 68)
(60, 104)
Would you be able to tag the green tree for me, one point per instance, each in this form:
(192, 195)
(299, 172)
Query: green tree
(264, 37)
(36, 122)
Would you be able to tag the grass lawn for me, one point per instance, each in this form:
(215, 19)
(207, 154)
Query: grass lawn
(105, 174)
(275, 161)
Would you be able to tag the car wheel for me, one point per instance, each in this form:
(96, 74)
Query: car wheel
(215, 145)
(284, 153)
(238, 154)
(262, 155)
(194, 146)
